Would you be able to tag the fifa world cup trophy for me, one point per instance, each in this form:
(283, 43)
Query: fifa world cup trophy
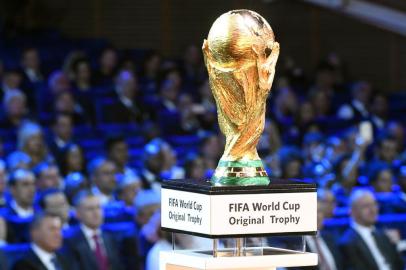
(240, 55)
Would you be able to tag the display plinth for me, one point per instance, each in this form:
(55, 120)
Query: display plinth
(272, 259)
(197, 207)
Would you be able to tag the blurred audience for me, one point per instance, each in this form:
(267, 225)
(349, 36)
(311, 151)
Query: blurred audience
(119, 122)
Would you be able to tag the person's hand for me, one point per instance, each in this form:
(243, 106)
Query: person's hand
(393, 235)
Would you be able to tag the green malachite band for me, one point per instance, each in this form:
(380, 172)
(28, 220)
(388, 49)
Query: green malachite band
(221, 180)
(250, 163)
(240, 181)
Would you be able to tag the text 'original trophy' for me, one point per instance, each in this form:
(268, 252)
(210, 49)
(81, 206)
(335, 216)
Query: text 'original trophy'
(240, 208)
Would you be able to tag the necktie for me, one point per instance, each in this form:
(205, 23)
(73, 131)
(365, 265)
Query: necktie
(55, 263)
(323, 264)
(101, 257)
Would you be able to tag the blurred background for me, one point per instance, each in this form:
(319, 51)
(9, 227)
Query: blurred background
(102, 100)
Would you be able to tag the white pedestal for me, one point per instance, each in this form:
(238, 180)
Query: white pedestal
(196, 207)
(189, 259)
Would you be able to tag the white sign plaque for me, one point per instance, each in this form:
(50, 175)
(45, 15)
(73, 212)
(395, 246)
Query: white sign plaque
(239, 214)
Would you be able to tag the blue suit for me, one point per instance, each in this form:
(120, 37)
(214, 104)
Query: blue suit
(78, 249)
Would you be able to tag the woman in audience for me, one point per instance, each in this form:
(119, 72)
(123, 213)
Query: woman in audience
(72, 160)
(15, 109)
(31, 142)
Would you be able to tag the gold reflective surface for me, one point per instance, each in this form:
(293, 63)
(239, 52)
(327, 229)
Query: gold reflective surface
(240, 55)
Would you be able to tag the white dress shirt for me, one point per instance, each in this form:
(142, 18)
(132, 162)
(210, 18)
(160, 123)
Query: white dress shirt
(152, 260)
(366, 235)
(327, 255)
(44, 256)
(21, 212)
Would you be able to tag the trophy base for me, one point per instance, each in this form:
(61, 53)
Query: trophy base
(254, 258)
(283, 207)
(240, 173)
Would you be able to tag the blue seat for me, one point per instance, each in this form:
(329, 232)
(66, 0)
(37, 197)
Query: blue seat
(183, 140)
(119, 230)
(135, 141)
(116, 212)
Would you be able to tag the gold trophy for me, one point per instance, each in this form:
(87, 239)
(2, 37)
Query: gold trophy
(240, 54)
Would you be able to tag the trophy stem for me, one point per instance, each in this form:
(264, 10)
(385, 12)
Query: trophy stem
(173, 241)
(303, 244)
(239, 246)
(214, 247)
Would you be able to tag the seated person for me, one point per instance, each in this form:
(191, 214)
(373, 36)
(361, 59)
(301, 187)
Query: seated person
(127, 106)
(117, 152)
(347, 176)
(326, 197)
(31, 141)
(54, 201)
(21, 208)
(15, 109)
(74, 183)
(22, 187)
(363, 245)
(136, 243)
(324, 244)
(103, 178)
(381, 178)
(88, 244)
(400, 206)
(62, 134)
(154, 161)
(46, 238)
(48, 176)
(128, 188)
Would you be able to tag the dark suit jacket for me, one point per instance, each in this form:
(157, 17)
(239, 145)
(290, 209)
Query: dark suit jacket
(117, 112)
(331, 243)
(3, 261)
(17, 227)
(129, 248)
(358, 256)
(32, 262)
(78, 249)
